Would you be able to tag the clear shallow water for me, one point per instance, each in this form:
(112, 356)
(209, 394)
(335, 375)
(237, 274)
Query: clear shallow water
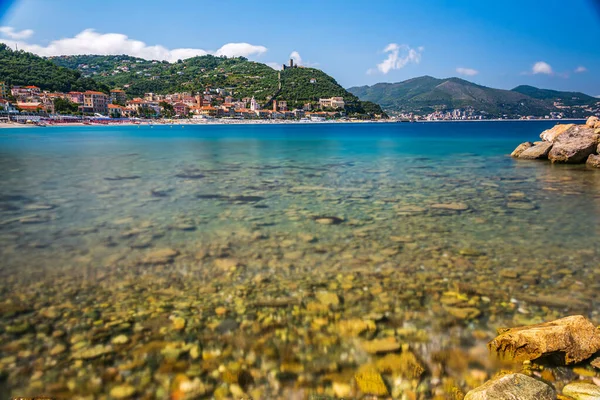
(436, 235)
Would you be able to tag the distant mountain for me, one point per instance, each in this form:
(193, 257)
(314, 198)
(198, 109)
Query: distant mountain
(238, 75)
(566, 98)
(426, 94)
(22, 68)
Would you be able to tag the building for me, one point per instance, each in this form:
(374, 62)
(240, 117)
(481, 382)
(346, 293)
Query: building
(254, 104)
(94, 102)
(118, 96)
(181, 109)
(292, 65)
(333, 102)
(116, 111)
(75, 97)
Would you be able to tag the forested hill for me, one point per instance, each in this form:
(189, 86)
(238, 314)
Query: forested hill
(22, 68)
(242, 77)
(426, 94)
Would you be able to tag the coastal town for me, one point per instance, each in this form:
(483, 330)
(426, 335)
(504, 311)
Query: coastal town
(32, 103)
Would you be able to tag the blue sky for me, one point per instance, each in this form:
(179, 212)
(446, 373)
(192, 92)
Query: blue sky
(358, 42)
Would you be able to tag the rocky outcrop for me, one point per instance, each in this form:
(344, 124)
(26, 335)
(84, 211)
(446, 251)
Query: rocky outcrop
(564, 143)
(568, 340)
(520, 149)
(539, 151)
(574, 145)
(512, 386)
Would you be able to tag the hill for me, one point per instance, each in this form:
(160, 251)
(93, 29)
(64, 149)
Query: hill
(426, 94)
(566, 98)
(243, 78)
(22, 68)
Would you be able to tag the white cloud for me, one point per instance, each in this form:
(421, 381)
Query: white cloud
(542, 67)
(467, 71)
(92, 42)
(398, 57)
(274, 65)
(580, 69)
(9, 32)
(296, 57)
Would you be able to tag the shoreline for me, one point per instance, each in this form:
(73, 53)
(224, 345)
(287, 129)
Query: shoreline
(263, 122)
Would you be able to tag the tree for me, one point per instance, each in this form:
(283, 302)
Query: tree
(168, 110)
(64, 106)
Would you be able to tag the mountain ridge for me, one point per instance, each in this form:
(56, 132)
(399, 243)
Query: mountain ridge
(426, 94)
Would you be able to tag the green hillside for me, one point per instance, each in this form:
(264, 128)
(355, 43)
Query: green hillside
(566, 98)
(242, 77)
(426, 94)
(21, 68)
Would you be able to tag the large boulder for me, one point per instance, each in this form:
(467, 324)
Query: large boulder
(592, 121)
(539, 151)
(574, 145)
(520, 149)
(568, 340)
(593, 161)
(550, 135)
(512, 386)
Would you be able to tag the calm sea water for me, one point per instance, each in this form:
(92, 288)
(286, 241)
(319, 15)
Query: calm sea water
(411, 211)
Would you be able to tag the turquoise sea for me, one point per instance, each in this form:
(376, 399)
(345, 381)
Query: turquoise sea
(283, 249)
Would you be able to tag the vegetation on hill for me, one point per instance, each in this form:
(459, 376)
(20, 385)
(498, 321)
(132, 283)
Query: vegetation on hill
(426, 94)
(566, 98)
(22, 68)
(243, 78)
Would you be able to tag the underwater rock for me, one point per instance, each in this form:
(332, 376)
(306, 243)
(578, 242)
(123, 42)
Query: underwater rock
(160, 256)
(582, 391)
(568, 340)
(512, 386)
(370, 382)
(122, 178)
(593, 161)
(450, 206)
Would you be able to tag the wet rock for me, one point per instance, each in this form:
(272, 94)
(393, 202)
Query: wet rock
(355, 327)
(521, 205)
(520, 149)
(512, 386)
(450, 206)
(58, 349)
(574, 146)
(404, 364)
(161, 256)
(226, 263)
(568, 340)
(92, 352)
(370, 382)
(582, 391)
(122, 178)
(593, 161)
(328, 220)
(120, 340)
(328, 298)
(379, 346)
(122, 392)
(537, 152)
(226, 326)
(463, 313)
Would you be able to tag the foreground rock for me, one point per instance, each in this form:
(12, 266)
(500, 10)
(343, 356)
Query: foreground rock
(570, 340)
(512, 386)
(539, 151)
(564, 143)
(574, 145)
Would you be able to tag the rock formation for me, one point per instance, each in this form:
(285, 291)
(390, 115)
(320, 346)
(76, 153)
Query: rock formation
(569, 340)
(565, 143)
